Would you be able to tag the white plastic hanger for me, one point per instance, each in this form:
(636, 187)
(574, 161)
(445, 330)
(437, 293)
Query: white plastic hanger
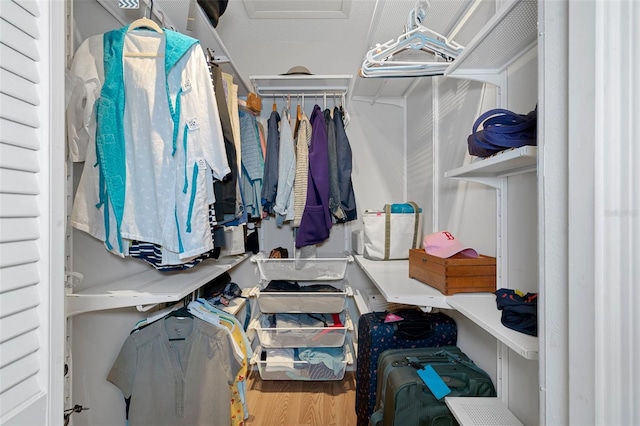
(392, 67)
(145, 22)
(420, 38)
(430, 52)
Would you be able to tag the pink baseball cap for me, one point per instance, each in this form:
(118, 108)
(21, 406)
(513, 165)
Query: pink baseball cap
(444, 244)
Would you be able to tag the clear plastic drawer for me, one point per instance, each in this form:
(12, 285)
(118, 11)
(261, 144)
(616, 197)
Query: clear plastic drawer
(306, 296)
(311, 364)
(301, 330)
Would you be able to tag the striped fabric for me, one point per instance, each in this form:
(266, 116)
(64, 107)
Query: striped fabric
(152, 253)
(302, 169)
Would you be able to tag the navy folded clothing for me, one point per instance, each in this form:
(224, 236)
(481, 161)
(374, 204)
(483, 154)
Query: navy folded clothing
(288, 286)
(327, 288)
(282, 285)
(519, 312)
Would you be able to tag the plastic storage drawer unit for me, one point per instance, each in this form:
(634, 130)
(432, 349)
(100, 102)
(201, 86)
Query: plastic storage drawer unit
(301, 330)
(311, 364)
(302, 269)
(308, 296)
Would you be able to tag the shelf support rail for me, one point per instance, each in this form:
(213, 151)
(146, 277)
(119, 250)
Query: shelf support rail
(185, 301)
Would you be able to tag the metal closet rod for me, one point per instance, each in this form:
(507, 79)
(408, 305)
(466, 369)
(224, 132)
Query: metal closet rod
(305, 94)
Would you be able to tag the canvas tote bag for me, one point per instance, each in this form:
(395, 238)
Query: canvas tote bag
(389, 234)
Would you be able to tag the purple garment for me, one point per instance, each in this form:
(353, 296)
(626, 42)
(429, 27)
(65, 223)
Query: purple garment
(316, 219)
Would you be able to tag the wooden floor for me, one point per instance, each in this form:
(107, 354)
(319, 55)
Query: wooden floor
(300, 403)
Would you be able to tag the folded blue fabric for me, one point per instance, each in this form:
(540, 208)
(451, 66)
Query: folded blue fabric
(331, 357)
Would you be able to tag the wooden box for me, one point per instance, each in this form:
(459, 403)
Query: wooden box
(456, 274)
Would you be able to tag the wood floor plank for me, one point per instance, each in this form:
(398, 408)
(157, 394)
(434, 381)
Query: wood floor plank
(300, 403)
(312, 404)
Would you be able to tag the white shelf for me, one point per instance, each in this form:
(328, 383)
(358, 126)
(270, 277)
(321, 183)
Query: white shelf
(391, 277)
(510, 33)
(149, 288)
(490, 170)
(482, 310)
(265, 85)
(470, 411)
(392, 280)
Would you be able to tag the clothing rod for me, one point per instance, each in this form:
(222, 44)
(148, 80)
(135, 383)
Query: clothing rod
(300, 94)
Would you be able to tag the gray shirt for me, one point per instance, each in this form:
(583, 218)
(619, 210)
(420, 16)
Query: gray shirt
(177, 382)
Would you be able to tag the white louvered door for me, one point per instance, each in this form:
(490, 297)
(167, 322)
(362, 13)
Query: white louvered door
(31, 212)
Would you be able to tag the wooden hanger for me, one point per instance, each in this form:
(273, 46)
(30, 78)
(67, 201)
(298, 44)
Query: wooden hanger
(145, 22)
(274, 107)
(298, 118)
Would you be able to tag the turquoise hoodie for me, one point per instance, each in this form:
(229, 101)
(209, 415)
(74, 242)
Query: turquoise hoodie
(110, 140)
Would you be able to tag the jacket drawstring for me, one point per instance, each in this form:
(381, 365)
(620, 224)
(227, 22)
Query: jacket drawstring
(180, 246)
(175, 116)
(184, 143)
(193, 195)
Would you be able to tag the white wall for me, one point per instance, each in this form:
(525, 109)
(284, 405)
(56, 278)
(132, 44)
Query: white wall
(96, 340)
(377, 136)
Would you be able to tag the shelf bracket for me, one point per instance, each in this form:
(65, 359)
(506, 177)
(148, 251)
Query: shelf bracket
(493, 182)
(145, 308)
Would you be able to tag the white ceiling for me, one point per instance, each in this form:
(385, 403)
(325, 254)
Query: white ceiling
(287, 37)
(329, 37)
(294, 9)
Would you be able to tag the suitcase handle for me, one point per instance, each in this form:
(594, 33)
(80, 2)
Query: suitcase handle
(413, 330)
(457, 358)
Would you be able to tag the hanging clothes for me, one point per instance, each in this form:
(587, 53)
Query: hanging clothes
(239, 411)
(153, 255)
(252, 164)
(345, 166)
(316, 220)
(270, 186)
(302, 169)
(283, 207)
(225, 190)
(232, 103)
(88, 72)
(177, 371)
(263, 137)
(157, 121)
(334, 185)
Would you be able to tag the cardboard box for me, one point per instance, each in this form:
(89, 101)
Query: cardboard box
(456, 274)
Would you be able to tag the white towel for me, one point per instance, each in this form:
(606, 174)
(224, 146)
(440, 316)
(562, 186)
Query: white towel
(280, 359)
